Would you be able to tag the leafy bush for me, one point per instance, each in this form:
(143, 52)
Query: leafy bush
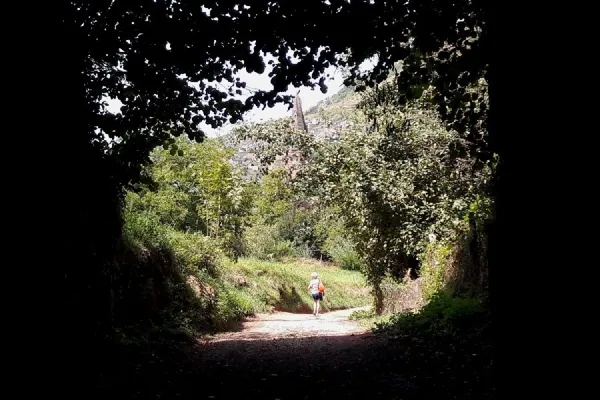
(450, 341)
(157, 266)
(282, 249)
(342, 251)
(231, 307)
(362, 314)
(149, 289)
(141, 230)
(443, 315)
(337, 245)
(299, 226)
(434, 263)
(194, 252)
(263, 242)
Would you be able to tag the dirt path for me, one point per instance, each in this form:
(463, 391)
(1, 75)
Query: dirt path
(292, 356)
(282, 325)
(297, 356)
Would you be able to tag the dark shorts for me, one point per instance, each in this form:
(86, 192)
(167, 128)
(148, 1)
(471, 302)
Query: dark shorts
(317, 296)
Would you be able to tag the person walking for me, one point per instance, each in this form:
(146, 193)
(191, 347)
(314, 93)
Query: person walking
(316, 290)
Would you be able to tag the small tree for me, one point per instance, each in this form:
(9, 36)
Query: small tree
(197, 190)
(397, 182)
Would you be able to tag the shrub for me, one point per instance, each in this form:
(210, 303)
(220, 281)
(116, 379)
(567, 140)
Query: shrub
(362, 314)
(144, 231)
(194, 252)
(449, 342)
(436, 259)
(263, 242)
(282, 249)
(231, 307)
(443, 315)
(342, 252)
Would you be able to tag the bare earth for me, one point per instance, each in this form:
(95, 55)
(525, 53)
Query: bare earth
(297, 356)
(275, 356)
(283, 325)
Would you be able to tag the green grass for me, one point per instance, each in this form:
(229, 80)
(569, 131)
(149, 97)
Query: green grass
(282, 286)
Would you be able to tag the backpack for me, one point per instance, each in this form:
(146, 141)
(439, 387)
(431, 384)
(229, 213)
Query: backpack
(321, 287)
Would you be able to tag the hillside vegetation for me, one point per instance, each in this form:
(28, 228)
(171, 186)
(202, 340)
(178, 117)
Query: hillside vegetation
(392, 213)
(188, 285)
(281, 286)
(159, 233)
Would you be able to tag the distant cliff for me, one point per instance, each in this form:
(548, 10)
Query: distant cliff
(326, 121)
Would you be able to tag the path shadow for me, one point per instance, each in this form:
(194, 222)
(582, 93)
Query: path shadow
(336, 367)
(291, 301)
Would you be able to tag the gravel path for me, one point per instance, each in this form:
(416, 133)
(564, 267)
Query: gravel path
(297, 356)
(292, 356)
(281, 325)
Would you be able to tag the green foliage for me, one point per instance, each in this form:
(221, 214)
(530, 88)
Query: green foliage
(283, 286)
(361, 314)
(366, 202)
(368, 319)
(197, 192)
(480, 210)
(144, 230)
(337, 244)
(150, 288)
(282, 224)
(282, 250)
(342, 252)
(273, 198)
(433, 268)
(447, 51)
(195, 253)
(228, 291)
(457, 263)
(399, 183)
(379, 195)
(105, 54)
(450, 340)
(208, 303)
(264, 242)
(232, 306)
(274, 139)
(444, 315)
(299, 227)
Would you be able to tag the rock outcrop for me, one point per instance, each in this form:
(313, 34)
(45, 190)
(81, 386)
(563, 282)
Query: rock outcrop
(326, 121)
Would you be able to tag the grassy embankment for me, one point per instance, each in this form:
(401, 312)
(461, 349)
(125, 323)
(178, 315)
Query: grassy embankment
(282, 286)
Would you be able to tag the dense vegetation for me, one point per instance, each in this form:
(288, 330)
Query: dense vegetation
(404, 190)
(396, 209)
(191, 224)
(397, 193)
(396, 186)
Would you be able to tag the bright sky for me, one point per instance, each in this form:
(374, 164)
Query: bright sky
(309, 97)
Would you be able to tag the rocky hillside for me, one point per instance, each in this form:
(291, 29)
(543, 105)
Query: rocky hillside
(326, 120)
(330, 116)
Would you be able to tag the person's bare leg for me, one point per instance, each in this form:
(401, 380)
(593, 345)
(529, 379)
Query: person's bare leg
(317, 307)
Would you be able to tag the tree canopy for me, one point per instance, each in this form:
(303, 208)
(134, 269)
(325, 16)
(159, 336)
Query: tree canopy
(397, 184)
(172, 63)
(148, 53)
